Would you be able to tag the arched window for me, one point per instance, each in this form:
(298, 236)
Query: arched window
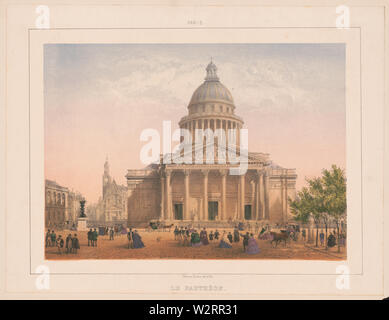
(48, 198)
(55, 197)
(63, 199)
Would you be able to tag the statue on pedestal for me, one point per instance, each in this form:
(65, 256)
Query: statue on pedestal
(81, 221)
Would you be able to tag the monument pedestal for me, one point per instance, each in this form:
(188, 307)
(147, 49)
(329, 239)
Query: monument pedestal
(81, 224)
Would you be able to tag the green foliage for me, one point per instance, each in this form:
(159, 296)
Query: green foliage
(323, 199)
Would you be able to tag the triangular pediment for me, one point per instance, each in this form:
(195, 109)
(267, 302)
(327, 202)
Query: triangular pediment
(252, 158)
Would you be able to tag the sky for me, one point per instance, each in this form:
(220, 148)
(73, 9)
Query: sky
(99, 98)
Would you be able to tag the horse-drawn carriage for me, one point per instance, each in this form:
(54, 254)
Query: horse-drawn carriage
(155, 225)
(278, 235)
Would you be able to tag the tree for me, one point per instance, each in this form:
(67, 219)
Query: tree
(324, 199)
(308, 204)
(334, 195)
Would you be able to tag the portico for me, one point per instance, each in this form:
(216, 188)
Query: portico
(231, 193)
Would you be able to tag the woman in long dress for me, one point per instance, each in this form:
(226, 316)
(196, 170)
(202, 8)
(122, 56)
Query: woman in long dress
(137, 240)
(252, 247)
(224, 242)
(195, 239)
(204, 237)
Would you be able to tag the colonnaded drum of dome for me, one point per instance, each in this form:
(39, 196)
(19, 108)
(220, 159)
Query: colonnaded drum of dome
(198, 209)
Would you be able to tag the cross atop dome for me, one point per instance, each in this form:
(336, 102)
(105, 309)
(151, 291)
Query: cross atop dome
(211, 72)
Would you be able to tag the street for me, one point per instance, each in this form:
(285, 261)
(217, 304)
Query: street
(161, 245)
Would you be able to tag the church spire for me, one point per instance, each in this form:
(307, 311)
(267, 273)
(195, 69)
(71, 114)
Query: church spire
(211, 72)
(106, 166)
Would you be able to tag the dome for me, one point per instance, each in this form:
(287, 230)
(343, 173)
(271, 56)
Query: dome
(211, 89)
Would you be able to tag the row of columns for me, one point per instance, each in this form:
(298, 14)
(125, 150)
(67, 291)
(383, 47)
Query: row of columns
(260, 204)
(213, 124)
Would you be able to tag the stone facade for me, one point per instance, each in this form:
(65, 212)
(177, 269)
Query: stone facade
(61, 205)
(206, 190)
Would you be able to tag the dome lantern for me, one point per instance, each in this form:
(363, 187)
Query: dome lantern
(211, 72)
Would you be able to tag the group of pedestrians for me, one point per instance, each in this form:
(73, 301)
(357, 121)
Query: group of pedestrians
(70, 245)
(192, 237)
(51, 238)
(250, 245)
(188, 236)
(331, 240)
(92, 237)
(134, 240)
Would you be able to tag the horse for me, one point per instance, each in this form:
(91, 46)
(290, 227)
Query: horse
(280, 236)
(167, 227)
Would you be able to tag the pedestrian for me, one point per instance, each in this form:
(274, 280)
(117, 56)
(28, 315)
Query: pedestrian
(331, 241)
(130, 241)
(53, 238)
(68, 243)
(223, 242)
(229, 237)
(75, 244)
(246, 238)
(204, 237)
(137, 240)
(321, 238)
(236, 235)
(176, 231)
(252, 246)
(256, 228)
(90, 238)
(211, 235)
(304, 234)
(217, 235)
(111, 234)
(94, 238)
(47, 240)
(195, 239)
(60, 244)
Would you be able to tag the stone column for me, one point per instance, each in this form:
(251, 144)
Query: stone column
(237, 127)
(223, 174)
(162, 198)
(282, 198)
(205, 194)
(286, 194)
(169, 214)
(242, 196)
(257, 197)
(194, 127)
(186, 198)
(261, 196)
(266, 195)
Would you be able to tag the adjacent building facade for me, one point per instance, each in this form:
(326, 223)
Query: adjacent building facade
(175, 191)
(61, 205)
